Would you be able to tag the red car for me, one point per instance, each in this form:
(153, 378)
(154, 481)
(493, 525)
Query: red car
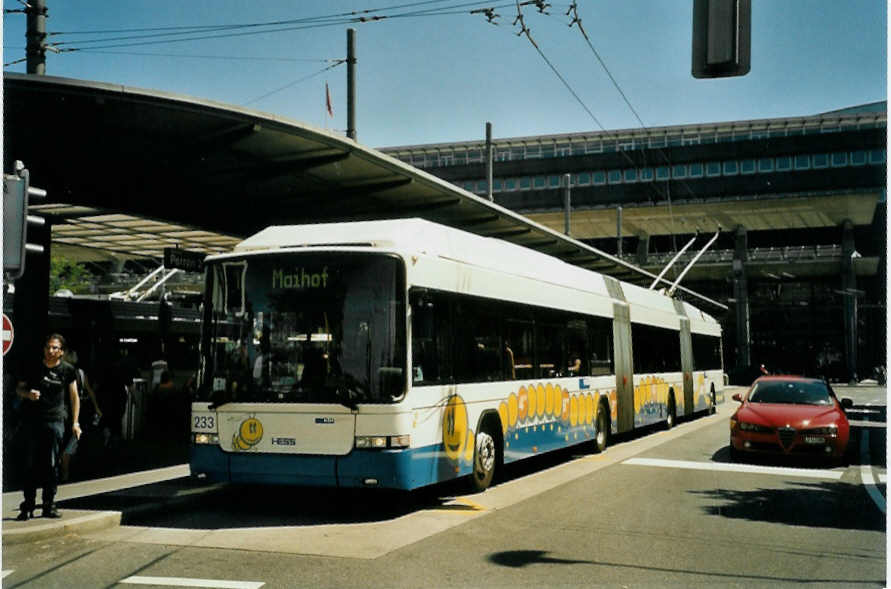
(789, 415)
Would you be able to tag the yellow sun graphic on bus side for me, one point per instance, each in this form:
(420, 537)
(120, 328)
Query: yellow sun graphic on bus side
(502, 413)
(564, 405)
(522, 403)
(540, 400)
(454, 427)
(512, 410)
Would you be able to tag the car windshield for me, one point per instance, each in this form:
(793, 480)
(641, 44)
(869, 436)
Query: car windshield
(794, 392)
(304, 328)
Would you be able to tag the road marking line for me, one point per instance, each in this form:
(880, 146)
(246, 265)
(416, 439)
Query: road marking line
(184, 582)
(7, 573)
(866, 473)
(883, 478)
(750, 468)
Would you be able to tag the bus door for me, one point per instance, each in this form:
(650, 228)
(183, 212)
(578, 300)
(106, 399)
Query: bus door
(623, 361)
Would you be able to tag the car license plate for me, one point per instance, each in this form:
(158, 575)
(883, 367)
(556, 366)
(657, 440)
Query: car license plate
(814, 440)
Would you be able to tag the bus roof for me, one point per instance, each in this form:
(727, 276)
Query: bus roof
(419, 236)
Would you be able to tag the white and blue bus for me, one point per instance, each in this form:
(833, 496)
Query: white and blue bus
(402, 353)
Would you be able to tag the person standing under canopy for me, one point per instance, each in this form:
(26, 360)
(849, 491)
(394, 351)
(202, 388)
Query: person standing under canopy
(44, 415)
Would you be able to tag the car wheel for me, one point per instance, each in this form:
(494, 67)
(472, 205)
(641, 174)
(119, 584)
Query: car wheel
(485, 457)
(601, 438)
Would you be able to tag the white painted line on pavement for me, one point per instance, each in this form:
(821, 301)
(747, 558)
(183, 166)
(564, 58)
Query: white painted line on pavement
(185, 582)
(725, 467)
(7, 573)
(866, 473)
(883, 478)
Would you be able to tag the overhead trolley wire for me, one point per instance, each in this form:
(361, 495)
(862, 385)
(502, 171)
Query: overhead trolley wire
(197, 32)
(295, 82)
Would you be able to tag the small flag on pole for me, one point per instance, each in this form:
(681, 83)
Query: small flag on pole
(328, 101)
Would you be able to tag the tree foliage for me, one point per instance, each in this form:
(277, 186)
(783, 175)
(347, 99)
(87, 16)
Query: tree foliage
(68, 274)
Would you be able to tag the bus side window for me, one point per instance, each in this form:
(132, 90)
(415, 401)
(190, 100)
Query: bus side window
(518, 338)
(430, 338)
(550, 357)
(600, 345)
(578, 362)
(478, 344)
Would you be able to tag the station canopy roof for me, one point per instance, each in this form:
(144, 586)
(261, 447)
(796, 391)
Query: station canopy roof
(130, 171)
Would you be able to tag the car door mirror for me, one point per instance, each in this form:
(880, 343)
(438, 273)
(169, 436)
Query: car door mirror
(737, 397)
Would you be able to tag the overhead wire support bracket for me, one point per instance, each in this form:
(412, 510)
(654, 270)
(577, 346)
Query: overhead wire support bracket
(693, 261)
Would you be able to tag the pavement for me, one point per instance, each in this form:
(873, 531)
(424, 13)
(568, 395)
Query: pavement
(127, 493)
(134, 485)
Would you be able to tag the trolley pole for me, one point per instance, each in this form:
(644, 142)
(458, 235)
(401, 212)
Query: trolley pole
(351, 84)
(35, 37)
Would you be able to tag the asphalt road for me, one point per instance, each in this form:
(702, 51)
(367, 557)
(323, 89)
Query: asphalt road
(667, 508)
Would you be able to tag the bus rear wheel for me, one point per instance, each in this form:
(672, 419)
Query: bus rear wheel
(485, 457)
(601, 438)
(671, 417)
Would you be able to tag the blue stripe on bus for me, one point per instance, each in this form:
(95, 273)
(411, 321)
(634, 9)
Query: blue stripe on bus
(392, 469)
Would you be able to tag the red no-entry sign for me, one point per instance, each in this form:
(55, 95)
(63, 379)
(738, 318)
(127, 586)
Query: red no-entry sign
(7, 334)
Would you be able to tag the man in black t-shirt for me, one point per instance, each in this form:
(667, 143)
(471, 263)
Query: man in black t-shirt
(44, 414)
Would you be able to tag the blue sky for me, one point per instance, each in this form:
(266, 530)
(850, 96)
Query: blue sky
(440, 77)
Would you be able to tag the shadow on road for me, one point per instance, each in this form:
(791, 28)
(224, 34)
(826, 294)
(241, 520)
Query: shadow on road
(825, 504)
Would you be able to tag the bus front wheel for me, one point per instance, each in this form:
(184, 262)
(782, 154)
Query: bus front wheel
(484, 460)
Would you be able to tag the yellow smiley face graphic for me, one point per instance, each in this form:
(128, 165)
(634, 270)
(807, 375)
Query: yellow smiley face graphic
(454, 427)
(249, 434)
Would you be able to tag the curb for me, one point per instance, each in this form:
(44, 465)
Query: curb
(83, 521)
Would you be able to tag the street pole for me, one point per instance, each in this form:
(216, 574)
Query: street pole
(619, 231)
(35, 37)
(490, 159)
(351, 84)
(567, 203)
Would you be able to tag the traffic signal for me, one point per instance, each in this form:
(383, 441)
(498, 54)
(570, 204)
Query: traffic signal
(17, 192)
(722, 38)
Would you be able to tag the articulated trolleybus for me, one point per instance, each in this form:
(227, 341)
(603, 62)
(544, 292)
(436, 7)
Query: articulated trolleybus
(402, 353)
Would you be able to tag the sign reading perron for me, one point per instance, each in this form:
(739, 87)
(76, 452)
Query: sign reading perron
(181, 259)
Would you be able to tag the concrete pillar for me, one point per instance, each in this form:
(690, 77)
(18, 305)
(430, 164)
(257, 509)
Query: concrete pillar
(643, 248)
(741, 295)
(849, 299)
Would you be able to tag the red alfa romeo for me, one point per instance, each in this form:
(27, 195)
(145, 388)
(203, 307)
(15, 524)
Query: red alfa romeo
(789, 415)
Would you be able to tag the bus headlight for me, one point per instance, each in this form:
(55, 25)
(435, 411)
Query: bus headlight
(382, 442)
(206, 439)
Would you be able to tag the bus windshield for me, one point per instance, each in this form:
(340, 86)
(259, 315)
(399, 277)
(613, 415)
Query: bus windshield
(304, 328)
